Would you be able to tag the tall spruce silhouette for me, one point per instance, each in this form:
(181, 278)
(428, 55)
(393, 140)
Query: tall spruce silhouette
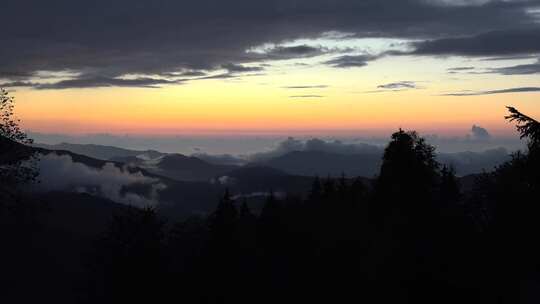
(223, 221)
(128, 262)
(408, 173)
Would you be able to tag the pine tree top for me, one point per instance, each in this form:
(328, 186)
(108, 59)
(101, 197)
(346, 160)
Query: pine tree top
(526, 126)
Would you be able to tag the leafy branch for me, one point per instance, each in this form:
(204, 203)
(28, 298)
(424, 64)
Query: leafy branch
(526, 126)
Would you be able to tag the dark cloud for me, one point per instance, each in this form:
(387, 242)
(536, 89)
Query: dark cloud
(494, 43)
(505, 58)
(402, 85)
(227, 75)
(459, 69)
(220, 76)
(351, 61)
(97, 82)
(189, 74)
(94, 82)
(289, 52)
(234, 71)
(307, 87)
(16, 84)
(479, 133)
(492, 92)
(238, 68)
(113, 38)
(522, 69)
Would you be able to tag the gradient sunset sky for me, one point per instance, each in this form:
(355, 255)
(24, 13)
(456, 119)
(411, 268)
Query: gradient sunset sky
(270, 67)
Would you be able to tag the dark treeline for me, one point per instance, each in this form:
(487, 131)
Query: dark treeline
(411, 235)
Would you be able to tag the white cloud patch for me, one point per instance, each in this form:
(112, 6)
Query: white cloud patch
(279, 195)
(61, 173)
(224, 180)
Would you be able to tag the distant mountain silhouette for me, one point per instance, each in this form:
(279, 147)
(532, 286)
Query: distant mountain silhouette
(264, 179)
(475, 162)
(312, 163)
(188, 168)
(254, 172)
(102, 152)
(174, 166)
(305, 163)
(193, 185)
(130, 160)
(180, 198)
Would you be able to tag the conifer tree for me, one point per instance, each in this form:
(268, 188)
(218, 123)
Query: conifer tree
(449, 187)
(224, 220)
(245, 212)
(409, 171)
(527, 127)
(129, 259)
(316, 190)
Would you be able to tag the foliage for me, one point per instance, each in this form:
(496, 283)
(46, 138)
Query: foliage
(527, 127)
(128, 259)
(17, 160)
(9, 127)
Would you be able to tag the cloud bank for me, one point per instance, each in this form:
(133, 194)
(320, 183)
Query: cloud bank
(492, 92)
(521, 69)
(398, 86)
(100, 42)
(61, 173)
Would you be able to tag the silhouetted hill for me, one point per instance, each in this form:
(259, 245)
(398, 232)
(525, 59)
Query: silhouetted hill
(188, 168)
(474, 162)
(467, 182)
(256, 172)
(193, 186)
(180, 199)
(178, 167)
(12, 151)
(97, 163)
(177, 200)
(252, 179)
(102, 152)
(78, 213)
(130, 160)
(312, 163)
(306, 163)
(58, 236)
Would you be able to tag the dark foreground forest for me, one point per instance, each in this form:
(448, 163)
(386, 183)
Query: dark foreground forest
(412, 235)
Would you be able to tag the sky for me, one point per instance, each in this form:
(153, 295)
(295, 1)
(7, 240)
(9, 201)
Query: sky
(212, 68)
